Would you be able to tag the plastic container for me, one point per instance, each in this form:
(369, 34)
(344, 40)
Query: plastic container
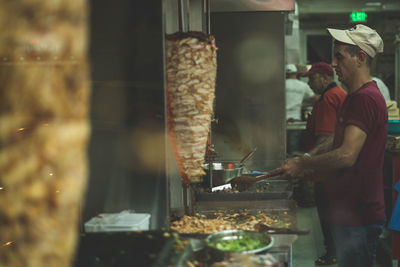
(118, 222)
(394, 126)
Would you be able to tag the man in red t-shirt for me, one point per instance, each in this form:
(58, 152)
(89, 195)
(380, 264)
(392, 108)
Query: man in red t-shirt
(320, 125)
(352, 158)
(321, 122)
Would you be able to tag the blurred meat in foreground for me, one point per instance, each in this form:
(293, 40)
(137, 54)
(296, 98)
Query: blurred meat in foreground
(44, 130)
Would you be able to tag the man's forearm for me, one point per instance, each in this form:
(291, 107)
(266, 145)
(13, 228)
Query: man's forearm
(328, 162)
(323, 145)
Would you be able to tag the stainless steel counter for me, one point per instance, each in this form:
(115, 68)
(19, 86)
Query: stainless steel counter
(262, 190)
(296, 125)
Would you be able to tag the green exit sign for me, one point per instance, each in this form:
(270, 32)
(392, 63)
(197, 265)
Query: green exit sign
(358, 16)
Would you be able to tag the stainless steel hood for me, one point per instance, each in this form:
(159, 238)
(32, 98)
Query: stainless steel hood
(308, 7)
(251, 5)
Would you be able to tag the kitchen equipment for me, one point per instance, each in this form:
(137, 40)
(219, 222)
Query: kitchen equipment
(262, 190)
(242, 183)
(394, 126)
(239, 241)
(276, 230)
(393, 143)
(126, 249)
(247, 157)
(221, 187)
(393, 110)
(118, 222)
(222, 172)
(283, 211)
(222, 175)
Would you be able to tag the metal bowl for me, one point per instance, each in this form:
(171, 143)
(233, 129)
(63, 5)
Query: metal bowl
(222, 175)
(266, 240)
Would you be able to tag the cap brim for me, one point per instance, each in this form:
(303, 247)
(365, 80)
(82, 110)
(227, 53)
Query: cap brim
(341, 36)
(308, 73)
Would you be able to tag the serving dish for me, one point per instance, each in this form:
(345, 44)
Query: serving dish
(239, 241)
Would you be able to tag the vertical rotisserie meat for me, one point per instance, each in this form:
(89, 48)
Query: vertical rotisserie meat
(191, 75)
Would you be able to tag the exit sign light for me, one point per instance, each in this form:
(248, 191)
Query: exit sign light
(358, 16)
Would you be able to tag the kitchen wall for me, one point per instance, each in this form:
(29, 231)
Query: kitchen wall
(250, 94)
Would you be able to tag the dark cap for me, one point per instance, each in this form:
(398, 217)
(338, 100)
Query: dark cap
(319, 67)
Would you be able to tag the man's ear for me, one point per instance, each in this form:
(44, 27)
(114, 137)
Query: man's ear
(362, 56)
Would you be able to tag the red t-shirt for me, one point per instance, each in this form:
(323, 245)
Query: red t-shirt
(355, 195)
(323, 116)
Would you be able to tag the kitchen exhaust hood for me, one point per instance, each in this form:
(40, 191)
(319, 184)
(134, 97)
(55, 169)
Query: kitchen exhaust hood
(251, 5)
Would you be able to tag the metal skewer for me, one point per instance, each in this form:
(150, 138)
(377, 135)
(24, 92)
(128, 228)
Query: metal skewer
(183, 15)
(208, 11)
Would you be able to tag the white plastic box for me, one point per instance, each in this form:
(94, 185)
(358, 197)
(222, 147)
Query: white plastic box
(118, 222)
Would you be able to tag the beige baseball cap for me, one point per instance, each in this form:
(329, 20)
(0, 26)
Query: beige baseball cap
(362, 36)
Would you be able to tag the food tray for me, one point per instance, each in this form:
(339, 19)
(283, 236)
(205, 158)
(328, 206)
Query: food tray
(283, 210)
(262, 190)
(264, 241)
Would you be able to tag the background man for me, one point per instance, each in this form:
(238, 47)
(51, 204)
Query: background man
(320, 125)
(296, 92)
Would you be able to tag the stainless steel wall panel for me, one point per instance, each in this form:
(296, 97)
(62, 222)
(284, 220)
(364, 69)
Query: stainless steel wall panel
(251, 5)
(171, 16)
(250, 96)
(194, 19)
(127, 148)
(196, 15)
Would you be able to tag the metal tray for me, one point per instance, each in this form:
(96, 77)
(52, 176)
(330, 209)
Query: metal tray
(283, 210)
(263, 190)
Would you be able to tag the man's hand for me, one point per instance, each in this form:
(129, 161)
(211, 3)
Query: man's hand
(292, 168)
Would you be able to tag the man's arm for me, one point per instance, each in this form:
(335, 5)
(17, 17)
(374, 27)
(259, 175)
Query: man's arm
(322, 145)
(309, 101)
(343, 157)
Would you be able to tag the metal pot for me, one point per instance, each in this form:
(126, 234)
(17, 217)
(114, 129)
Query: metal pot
(223, 174)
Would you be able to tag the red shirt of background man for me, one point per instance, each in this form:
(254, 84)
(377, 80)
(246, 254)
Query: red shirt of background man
(355, 195)
(323, 116)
